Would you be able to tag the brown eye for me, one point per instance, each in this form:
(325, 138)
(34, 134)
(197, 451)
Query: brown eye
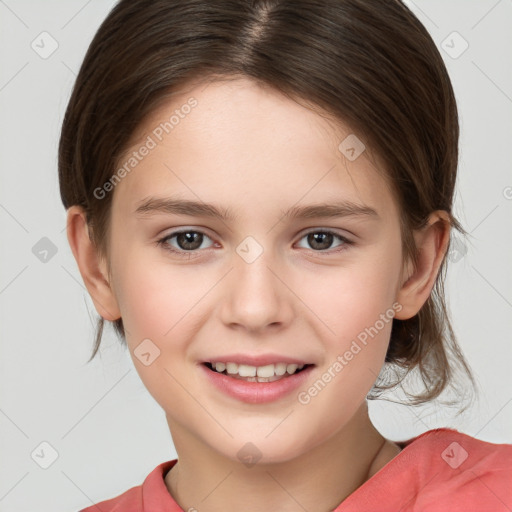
(321, 241)
(185, 241)
(189, 240)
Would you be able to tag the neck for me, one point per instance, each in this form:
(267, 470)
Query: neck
(317, 479)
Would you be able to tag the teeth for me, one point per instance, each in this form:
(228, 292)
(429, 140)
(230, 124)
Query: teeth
(244, 370)
(231, 367)
(267, 373)
(280, 368)
(220, 367)
(291, 368)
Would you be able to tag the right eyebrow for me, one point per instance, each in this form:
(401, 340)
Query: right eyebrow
(171, 205)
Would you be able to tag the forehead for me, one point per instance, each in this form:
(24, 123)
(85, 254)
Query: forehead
(238, 143)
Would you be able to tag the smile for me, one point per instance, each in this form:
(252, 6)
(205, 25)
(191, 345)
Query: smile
(267, 373)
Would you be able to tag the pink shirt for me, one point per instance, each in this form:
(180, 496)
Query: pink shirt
(439, 470)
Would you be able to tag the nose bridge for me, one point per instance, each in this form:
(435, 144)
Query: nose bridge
(256, 297)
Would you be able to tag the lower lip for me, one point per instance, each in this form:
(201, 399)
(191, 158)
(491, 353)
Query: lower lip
(257, 392)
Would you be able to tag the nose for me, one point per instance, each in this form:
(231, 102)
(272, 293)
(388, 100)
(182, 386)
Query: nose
(256, 295)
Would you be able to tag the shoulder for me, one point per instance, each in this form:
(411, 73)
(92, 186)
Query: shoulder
(142, 498)
(454, 453)
(458, 471)
(129, 501)
(442, 469)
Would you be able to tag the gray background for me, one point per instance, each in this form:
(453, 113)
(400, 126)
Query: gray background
(105, 428)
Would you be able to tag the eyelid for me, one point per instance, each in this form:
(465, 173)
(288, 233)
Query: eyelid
(163, 241)
(334, 231)
(346, 241)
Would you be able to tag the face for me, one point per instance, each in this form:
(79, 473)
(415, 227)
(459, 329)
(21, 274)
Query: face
(261, 281)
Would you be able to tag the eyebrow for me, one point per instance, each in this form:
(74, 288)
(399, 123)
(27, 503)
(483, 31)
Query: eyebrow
(153, 205)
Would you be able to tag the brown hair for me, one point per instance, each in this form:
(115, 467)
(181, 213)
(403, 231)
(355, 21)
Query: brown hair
(370, 64)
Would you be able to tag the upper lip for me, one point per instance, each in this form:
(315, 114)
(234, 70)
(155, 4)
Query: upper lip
(256, 360)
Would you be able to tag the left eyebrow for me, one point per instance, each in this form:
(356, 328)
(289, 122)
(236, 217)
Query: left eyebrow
(152, 205)
(332, 210)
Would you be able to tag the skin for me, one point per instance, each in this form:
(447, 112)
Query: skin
(250, 149)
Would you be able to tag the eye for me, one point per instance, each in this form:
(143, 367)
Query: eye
(320, 240)
(187, 241)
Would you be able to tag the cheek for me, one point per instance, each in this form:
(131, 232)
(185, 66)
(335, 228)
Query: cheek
(358, 309)
(157, 300)
(162, 305)
(349, 300)
(355, 308)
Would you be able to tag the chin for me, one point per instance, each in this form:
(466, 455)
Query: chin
(250, 451)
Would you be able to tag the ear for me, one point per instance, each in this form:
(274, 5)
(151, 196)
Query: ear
(92, 268)
(432, 243)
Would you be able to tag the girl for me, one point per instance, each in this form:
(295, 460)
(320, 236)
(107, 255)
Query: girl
(259, 197)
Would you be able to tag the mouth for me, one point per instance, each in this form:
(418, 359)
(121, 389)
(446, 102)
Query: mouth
(248, 373)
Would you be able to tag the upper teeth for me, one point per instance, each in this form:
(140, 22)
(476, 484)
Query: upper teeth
(245, 370)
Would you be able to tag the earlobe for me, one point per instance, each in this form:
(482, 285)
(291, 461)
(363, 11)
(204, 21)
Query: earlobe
(432, 243)
(92, 268)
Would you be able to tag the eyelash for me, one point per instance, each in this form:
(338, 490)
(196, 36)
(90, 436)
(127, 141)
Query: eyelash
(163, 242)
